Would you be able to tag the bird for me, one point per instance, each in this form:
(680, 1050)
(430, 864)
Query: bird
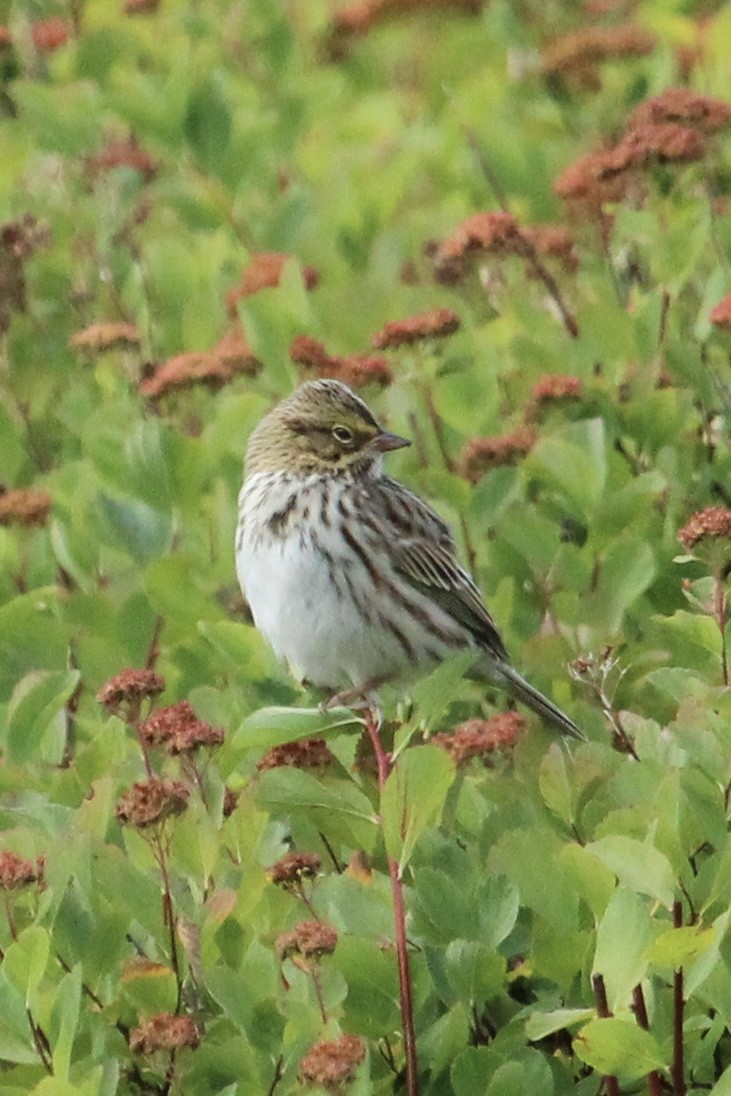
(352, 578)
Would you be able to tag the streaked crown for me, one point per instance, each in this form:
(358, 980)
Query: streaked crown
(322, 427)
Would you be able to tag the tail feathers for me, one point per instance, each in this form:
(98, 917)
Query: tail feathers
(537, 702)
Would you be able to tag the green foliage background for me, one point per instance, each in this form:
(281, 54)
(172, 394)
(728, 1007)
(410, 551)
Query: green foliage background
(523, 878)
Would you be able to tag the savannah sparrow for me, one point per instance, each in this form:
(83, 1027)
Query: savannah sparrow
(351, 577)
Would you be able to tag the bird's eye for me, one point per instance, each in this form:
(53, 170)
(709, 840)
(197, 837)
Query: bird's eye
(343, 434)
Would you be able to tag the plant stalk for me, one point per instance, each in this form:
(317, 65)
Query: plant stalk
(383, 764)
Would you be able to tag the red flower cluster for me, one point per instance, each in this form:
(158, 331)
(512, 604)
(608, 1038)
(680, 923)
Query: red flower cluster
(177, 730)
(575, 57)
(151, 802)
(670, 128)
(27, 506)
(98, 337)
(355, 370)
(332, 1063)
(480, 455)
(264, 271)
(293, 868)
(164, 1032)
(481, 737)
(310, 939)
(424, 327)
(306, 753)
(499, 235)
(16, 872)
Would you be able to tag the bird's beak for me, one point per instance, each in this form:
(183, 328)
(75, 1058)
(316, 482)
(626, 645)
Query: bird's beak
(385, 442)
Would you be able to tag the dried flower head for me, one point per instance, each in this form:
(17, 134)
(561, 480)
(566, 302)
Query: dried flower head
(307, 351)
(481, 737)
(177, 730)
(16, 872)
(306, 753)
(359, 370)
(682, 106)
(428, 325)
(551, 242)
(310, 939)
(481, 455)
(355, 370)
(557, 386)
(121, 153)
(605, 176)
(293, 868)
(574, 57)
(6, 38)
(333, 1063)
(234, 351)
(711, 524)
(230, 802)
(264, 271)
(48, 35)
(185, 371)
(124, 693)
(99, 337)
(151, 802)
(496, 233)
(28, 506)
(140, 7)
(721, 315)
(164, 1032)
(24, 235)
(359, 16)
(551, 389)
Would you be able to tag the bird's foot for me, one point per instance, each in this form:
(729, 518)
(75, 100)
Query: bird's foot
(360, 699)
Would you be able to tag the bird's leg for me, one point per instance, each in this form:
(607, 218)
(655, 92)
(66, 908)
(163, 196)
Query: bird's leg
(360, 698)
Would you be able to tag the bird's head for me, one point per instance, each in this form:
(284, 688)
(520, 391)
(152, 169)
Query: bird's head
(321, 428)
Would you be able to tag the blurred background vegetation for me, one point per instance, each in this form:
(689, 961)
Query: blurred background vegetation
(201, 202)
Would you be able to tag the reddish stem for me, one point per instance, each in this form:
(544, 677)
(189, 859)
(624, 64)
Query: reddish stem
(654, 1082)
(720, 614)
(611, 1084)
(168, 914)
(678, 1069)
(383, 763)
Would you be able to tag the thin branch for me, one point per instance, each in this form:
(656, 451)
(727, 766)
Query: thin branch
(383, 763)
(611, 1084)
(153, 650)
(678, 1069)
(524, 247)
(654, 1081)
(278, 1074)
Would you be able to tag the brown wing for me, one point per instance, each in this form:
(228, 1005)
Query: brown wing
(423, 552)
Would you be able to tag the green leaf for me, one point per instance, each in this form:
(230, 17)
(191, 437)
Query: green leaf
(433, 694)
(273, 726)
(26, 959)
(413, 797)
(36, 702)
(208, 121)
(289, 789)
(619, 1047)
(475, 972)
(555, 784)
(709, 958)
(137, 528)
(540, 1024)
(639, 866)
(676, 947)
(621, 956)
(575, 462)
(722, 1086)
(65, 1017)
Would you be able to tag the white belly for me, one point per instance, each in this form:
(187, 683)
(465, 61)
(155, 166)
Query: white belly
(301, 598)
